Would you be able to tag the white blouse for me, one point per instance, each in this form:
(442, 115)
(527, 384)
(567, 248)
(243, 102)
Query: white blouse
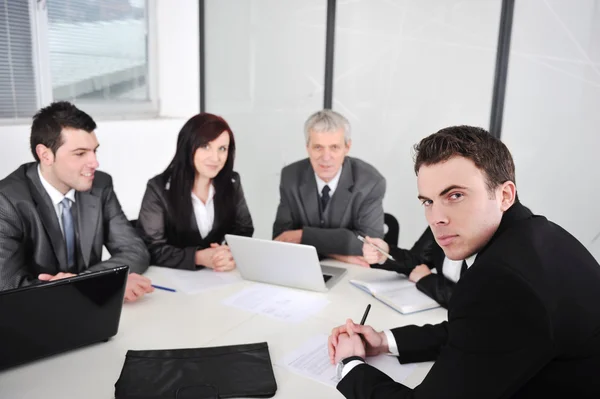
(204, 212)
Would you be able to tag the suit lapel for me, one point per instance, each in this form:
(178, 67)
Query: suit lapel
(47, 214)
(342, 195)
(88, 213)
(309, 196)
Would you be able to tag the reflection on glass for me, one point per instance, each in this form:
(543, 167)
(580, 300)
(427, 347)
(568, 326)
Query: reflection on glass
(98, 50)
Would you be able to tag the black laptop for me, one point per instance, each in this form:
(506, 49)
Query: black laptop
(50, 318)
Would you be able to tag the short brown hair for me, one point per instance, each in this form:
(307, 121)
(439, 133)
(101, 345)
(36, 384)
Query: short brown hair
(489, 154)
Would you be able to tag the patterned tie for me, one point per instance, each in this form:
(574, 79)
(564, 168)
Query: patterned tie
(68, 230)
(463, 268)
(325, 196)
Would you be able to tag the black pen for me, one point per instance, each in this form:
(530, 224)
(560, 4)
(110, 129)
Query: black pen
(362, 323)
(364, 318)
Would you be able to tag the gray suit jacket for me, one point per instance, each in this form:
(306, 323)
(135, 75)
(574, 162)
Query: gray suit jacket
(31, 241)
(355, 207)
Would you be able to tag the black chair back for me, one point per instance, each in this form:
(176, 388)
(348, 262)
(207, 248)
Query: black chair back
(393, 230)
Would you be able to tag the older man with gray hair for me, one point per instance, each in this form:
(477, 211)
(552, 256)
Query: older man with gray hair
(329, 198)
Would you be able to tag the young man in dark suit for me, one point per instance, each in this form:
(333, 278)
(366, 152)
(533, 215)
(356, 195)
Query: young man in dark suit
(523, 321)
(57, 213)
(329, 198)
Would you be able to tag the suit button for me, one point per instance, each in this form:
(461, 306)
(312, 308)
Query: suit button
(322, 222)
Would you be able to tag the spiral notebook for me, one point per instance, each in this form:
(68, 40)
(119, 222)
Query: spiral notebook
(396, 291)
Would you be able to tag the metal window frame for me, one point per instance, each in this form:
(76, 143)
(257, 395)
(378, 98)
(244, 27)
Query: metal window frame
(502, 64)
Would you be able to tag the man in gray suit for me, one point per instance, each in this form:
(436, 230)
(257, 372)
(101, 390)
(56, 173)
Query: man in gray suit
(56, 214)
(329, 198)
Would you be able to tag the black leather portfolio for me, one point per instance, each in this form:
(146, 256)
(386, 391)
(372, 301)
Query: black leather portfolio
(198, 373)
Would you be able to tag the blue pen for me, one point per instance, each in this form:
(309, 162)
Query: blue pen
(164, 288)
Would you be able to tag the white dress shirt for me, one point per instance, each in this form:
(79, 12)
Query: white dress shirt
(333, 183)
(56, 197)
(204, 212)
(451, 269)
(392, 345)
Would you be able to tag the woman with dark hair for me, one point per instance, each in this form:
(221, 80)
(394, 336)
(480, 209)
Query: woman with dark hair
(188, 209)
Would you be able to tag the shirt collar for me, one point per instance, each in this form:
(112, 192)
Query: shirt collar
(55, 196)
(470, 260)
(332, 184)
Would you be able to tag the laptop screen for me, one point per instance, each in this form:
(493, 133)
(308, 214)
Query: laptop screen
(50, 318)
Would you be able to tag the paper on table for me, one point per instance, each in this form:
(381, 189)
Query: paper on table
(311, 360)
(278, 302)
(193, 282)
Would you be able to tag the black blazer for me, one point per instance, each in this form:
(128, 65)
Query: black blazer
(424, 251)
(170, 247)
(31, 241)
(523, 322)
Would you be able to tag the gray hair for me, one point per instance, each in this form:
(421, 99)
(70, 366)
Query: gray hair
(326, 121)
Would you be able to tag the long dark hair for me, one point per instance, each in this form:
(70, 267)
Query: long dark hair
(198, 131)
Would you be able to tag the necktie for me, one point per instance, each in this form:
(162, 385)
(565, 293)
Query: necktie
(325, 196)
(68, 230)
(463, 268)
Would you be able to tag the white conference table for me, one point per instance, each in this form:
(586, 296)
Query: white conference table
(167, 320)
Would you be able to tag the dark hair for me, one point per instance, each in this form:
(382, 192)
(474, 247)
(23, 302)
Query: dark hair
(49, 122)
(489, 154)
(198, 131)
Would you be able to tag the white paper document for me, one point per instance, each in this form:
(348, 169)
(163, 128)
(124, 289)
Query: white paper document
(278, 302)
(196, 281)
(311, 360)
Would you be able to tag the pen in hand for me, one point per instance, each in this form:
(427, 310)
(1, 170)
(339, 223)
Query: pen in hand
(390, 257)
(160, 287)
(364, 318)
(362, 323)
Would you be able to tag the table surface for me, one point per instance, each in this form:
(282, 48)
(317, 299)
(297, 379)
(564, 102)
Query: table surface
(167, 320)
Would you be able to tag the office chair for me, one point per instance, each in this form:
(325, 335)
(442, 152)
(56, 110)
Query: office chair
(392, 231)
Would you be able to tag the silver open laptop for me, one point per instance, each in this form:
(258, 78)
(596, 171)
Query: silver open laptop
(282, 263)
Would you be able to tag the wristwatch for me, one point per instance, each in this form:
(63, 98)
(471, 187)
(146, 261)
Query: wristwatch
(343, 362)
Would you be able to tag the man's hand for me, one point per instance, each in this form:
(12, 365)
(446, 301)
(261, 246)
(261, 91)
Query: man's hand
(50, 277)
(372, 255)
(353, 259)
(293, 236)
(419, 272)
(348, 345)
(137, 287)
(376, 342)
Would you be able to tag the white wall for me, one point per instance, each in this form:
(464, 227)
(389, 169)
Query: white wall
(265, 70)
(178, 57)
(551, 120)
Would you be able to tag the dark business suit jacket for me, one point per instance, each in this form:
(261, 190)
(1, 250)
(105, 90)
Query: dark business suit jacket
(175, 246)
(31, 241)
(523, 322)
(355, 207)
(424, 251)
